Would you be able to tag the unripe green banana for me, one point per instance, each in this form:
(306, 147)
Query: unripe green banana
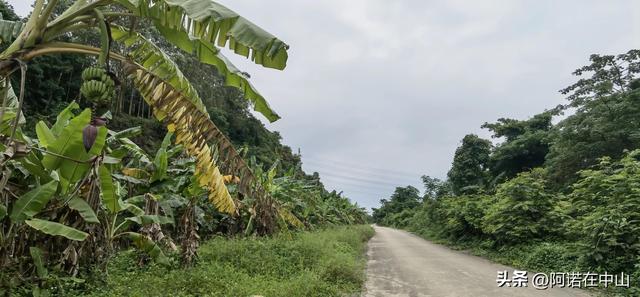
(98, 86)
(93, 73)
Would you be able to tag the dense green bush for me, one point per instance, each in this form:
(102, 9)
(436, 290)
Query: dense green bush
(401, 219)
(463, 216)
(422, 219)
(606, 207)
(526, 224)
(553, 257)
(389, 213)
(522, 210)
(594, 227)
(456, 218)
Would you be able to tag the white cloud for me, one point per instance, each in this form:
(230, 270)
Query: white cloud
(22, 7)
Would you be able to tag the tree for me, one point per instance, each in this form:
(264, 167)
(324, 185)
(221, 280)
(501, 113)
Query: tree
(605, 122)
(468, 173)
(434, 188)
(229, 110)
(7, 11)
(404, 199)
(525, 145)
(158, 79)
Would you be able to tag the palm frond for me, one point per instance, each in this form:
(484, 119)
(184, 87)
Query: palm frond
(174, 108)
(194, 130)
(150, 56)
(214, 23)
(176, 102)
(207, 53)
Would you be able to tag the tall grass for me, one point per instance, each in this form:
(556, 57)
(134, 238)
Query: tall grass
(321, 263)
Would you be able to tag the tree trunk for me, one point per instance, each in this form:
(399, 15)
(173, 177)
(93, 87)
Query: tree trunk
(190, 240)
(154, 231)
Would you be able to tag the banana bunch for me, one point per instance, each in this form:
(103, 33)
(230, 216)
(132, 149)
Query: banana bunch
(98, 87)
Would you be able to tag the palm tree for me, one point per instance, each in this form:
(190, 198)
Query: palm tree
(197, 27)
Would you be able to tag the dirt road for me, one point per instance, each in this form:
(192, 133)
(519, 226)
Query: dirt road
(401, 264)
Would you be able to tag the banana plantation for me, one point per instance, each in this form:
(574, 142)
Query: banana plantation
(77, 184)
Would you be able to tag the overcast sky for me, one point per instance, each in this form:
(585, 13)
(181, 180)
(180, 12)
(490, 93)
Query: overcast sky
(378, 93)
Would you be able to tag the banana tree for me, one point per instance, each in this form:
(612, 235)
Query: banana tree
(182, 190)
(197, 27)
(265, 215)
(63, 198)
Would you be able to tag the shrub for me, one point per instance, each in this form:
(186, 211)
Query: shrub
(552, 257)
(606, 203)
(462, 216)
(522, 210)
(457, 218)
(399, 220)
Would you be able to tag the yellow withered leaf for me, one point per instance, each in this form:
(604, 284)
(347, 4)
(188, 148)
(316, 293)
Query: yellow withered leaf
(176, 103)
(290, 218)
(231, 179)
(181, 121)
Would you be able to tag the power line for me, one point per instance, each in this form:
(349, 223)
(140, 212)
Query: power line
(355, 190)
(355, 184)
(342, 181)
(316, 166)
(357, 165)
(365, 180)
(342, 184)
(381, 191)
(348, 193)
(360, 183)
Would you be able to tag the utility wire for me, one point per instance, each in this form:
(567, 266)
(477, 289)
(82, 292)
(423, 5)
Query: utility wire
(319, 167)
(376, 196)
(356, 165)
(356, 183)
(360, 181)
(364, 180)
(340, 185)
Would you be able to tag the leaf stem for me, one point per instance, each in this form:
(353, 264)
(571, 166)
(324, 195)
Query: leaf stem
(105, 41)
(23, 79)
(5, 92)
(65, 47)
(44, 17)
(58, 155)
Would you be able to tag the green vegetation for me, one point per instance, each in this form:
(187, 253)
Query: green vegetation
(554, 198)
(122, 126)
(108, 145)
(329, 262)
